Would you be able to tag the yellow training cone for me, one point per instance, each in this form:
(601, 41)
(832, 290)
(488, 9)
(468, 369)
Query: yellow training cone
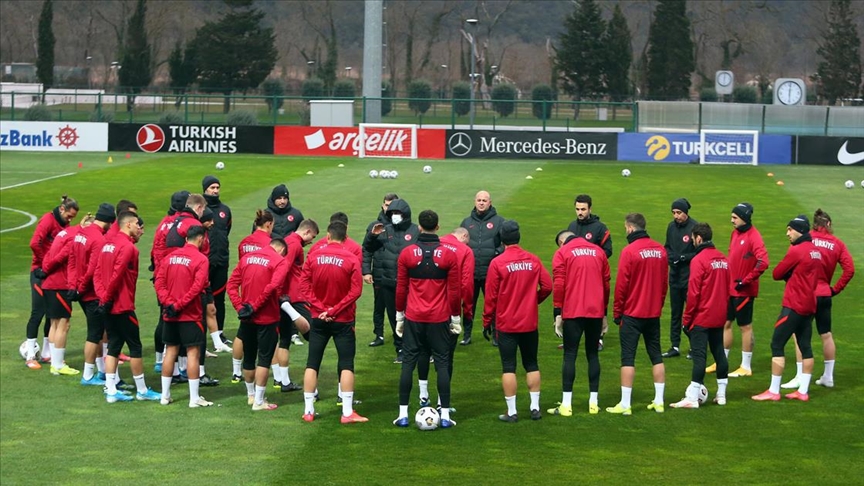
(110, 159)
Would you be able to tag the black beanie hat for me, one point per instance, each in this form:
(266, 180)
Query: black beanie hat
(207, 215)
(800, 224)
(105, 213)
(178, 200)
(744, 211)
(208, 181)
(510, 232)
(682, 205)
(279, 191)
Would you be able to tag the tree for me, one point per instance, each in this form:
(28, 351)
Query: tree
(544, 100)
(274, 91)
(420, 92)
(462, 92)
(503, 99)
(344, 88)
(840, 72)
(234, 52)
(182, 69)
(580, 58)
(136, 71)
(670, 52)
(619, 56)
(45, 61)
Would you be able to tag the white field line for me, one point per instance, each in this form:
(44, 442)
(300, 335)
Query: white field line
(32, 220)
(37, 180)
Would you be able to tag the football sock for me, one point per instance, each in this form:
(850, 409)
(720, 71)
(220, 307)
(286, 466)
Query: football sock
(511, 405)
(746, 357)
(111, 383)
(659, 388)
(88, 371)
(166, 387)
(535, 400)
(424, 388)
(100, 364)
(201, 371)
(347, 403)
(57, 355)
(309, 400)
(726, 350)
(46, 347)
(139, 383)
(567, 399)
(193, 390)
(31, 347)
(339, 390)
(259, 394)
(104, 349)
(775, 383)
(286, 380)
(182, 362)
(236, 364)
(799, 368)
(159, 357)
(804, 383)
(403, 411)
(176, 370)
(445, 412)
(721, 386)
(217, 339)
(250, 388)
(692, 393)
(626, 391)
(592, 398)
(829, 369)
(277, 373)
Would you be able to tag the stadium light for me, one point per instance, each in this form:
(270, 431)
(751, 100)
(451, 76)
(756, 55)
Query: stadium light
(473, 23)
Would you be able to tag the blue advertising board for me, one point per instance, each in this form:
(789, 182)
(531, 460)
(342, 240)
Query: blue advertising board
(684, 147)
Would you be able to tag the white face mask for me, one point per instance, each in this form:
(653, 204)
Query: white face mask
(396, 218)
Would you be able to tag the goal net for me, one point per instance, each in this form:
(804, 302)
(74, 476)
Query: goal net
(729, 147)
(386, 140)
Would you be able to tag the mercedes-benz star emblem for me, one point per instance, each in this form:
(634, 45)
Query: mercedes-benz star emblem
(459, 144)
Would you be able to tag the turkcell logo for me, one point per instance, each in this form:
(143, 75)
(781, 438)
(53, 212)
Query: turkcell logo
(658, 147)
(685, 147)
(16, 138)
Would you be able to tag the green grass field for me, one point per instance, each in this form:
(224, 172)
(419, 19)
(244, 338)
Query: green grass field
(52, 430)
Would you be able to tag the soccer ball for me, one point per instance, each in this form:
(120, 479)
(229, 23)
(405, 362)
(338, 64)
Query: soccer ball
(850, 184)
(427, 169)
(220, 165)
(427, 418)
(22, 350)
(703, 395)
(625, 173)
(862, 184)
(373, 173)
(385, 174)
(394, 174)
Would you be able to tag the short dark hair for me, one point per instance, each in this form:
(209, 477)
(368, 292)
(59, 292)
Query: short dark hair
(195, 232)
(583, 198)
(278, 244)
(703, 230)
(339, 216)
(68, 203)
(637, 220)
(337, 230)
(390, 196)
(125, 216)
(126, 205)
(428, 220)
(308, 224)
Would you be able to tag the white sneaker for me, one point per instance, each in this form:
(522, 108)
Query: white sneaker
(822, 381)
(720, 399)
(200, 403)
(209, 354)
(791, 384)
(166, 401)
(296, 341)
(223, 348)
(685, 403)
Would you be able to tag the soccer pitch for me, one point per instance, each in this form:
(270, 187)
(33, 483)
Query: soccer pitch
(52, 430)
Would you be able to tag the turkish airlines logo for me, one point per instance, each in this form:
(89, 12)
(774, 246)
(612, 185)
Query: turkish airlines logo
(459, 144)
(150, 138)
(846, 158)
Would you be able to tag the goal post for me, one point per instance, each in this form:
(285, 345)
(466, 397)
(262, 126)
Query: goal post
(388, 140)
(729, 147)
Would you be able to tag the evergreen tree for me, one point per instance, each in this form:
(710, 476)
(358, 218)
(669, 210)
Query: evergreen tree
(670, 52)
(580, 58)
(234, 52)
(619, 56)
(181, 69)
(840, 72)
(136, 71)
(45, 61)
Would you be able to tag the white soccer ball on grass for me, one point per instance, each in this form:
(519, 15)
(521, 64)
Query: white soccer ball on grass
(22, 350)
(625, 173)
(220, 165)
(427, 418)
(394, 174)
(385, 174)
(703, 395)
(850, 184)
(427, 169)
(373, 173)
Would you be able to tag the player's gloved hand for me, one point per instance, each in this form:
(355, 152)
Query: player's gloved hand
(559, 327)
(487, 333)
(40, 274)
(455, 325)
(400, 323)
(104, 308)
(170, 312)
(151, 268)
(739, 284)
(833, 292)
(245, 312)
(617, 321)
(72, 295)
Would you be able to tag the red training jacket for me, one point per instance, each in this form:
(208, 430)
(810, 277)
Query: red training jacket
(254, 242)
(46, 229)
(159, 250)
(87, 244)
(56, 262)
(707, 289)
(183, 276)
(465, 261)
(332, 282)
(640, 287)
(431, 298)
(833, 252)
(800, 268)
(350, 245)
(748, 260)
(516, 283)
(581, 275)
(294, 257)
(116, 275)
(256, 280)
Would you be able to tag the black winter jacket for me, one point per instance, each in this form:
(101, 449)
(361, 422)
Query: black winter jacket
(285, 220)
(392, 240)
(372, 261)
(679, 251)
(485, 240)
(219, 246)
(599, 233)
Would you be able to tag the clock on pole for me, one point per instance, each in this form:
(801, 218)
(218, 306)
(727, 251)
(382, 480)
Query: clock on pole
(724, 81)
(790, 92)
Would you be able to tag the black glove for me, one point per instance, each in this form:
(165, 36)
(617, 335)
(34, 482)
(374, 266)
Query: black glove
(739, 284)
(617, 321)
(833, 292)
(283, 299)
(170, 312)
(151, 268)
(40, 274)
(104, 309)
(72, 295)
(245, 312)
(487, 333)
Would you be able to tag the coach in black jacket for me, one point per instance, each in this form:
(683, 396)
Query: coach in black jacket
(219, 246)
(286, 218)
(679, 251)
(372, 274)
(392, 237)
(588, 225)
(485, 241)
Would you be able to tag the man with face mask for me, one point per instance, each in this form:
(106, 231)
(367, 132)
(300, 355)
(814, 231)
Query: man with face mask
(372, 275)
(392, 237)
(679, 251)
(286, 218)
(219, 248)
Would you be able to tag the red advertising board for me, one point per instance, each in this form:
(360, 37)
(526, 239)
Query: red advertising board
(344, 142)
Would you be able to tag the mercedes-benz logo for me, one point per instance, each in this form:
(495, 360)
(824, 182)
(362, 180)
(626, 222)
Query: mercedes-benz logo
(459, 144)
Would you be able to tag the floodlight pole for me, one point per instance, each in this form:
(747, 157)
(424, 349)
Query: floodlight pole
(473, 23)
